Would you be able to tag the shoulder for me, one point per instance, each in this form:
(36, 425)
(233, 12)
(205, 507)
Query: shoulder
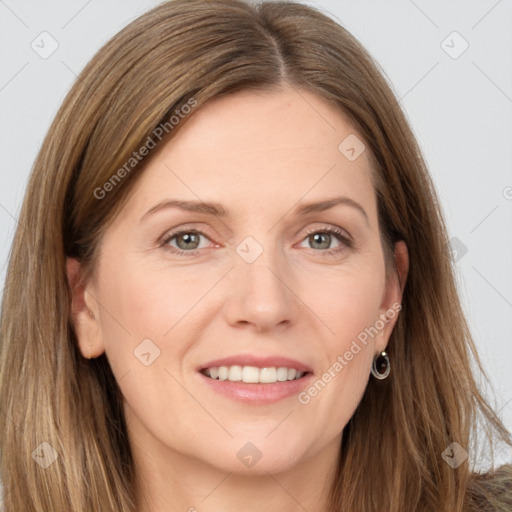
(491, 491)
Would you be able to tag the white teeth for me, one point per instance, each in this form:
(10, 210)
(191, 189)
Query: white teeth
(235, 373)
(253, 374)
(269, 375)
(282, 374)
(250, 374)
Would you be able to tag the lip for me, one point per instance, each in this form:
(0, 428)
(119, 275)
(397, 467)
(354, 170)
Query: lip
(260, 362)
(257, 394)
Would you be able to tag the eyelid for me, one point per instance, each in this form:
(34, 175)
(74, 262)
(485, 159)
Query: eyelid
(170, 235)
(341, 234)
(343, 237)
(330, 229)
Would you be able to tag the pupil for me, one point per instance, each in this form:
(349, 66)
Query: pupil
(323, 239)
(188, 239)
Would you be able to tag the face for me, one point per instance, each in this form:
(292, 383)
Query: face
(240, 295)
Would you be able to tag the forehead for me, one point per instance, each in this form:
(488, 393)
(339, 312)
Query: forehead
(273, 146)
(250, 121)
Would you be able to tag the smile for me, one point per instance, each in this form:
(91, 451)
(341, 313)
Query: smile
(253, 374)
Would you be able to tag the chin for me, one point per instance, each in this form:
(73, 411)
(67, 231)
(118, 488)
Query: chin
(264, 466)
(258, 457)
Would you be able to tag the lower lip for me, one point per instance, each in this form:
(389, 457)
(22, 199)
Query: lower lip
(258, 394)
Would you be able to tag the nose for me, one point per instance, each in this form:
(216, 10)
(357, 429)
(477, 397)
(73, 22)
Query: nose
(260, 294)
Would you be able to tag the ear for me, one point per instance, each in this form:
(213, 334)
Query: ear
(392, 298)
(84, 312)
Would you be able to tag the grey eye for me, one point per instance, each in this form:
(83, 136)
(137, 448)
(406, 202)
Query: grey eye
(320, 240)
(186, 240)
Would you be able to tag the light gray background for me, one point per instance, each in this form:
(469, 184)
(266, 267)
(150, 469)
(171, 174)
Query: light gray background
(460, 110)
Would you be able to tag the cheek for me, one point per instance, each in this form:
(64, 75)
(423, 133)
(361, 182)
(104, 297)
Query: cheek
(149, 302)
(141, 322)
(349, 308)
(142, 303)
(347, 301)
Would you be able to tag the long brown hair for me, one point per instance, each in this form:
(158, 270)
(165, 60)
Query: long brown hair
(197, 50)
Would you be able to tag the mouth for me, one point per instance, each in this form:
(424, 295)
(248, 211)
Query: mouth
(253, 374)
(256, 380)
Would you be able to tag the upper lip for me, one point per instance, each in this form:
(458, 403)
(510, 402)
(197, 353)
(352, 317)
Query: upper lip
(258, 361)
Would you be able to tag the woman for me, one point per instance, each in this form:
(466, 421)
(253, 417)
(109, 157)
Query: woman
(231, 288)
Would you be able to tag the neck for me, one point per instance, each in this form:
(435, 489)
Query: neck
(176, 483)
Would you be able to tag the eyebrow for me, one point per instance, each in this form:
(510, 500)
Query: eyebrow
(321, 206)
(211, 208)
(189, 206)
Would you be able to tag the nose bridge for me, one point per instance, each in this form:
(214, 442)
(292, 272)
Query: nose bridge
(260, 293)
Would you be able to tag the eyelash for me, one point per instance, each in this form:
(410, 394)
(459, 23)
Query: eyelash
(345, 241)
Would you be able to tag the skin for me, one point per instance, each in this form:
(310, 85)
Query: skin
(294, 300)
